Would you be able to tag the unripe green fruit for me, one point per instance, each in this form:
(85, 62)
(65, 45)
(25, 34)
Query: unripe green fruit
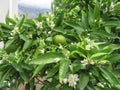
(59, 39)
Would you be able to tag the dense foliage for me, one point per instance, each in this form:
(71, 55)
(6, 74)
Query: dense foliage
(74, 48)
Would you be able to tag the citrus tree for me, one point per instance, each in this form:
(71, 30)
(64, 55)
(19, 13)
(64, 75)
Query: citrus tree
(76, 47)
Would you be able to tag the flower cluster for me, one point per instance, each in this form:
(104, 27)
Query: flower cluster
(89, 44)
(88, 47)
(50, 21)
(30, 35)
(15, 31)
(71, 80)
(39, 25)
(87, 61)
(42, 51)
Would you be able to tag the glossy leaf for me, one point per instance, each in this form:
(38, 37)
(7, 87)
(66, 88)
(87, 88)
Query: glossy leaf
(53, 71)
(47, 58)
(96, 14)
(76, 26)
(4, 75)
(24, 76)
(27, 44)
(21, 21)
(109, 76)
(113, 58)
(83, 81)
(104, 34)
(17, 67)
(5, 26)
(96, 55)
(9, 42)
(10, 20)
(37, 70)
(64, 65)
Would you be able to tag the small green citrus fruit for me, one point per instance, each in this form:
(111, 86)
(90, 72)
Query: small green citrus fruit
(59, 39)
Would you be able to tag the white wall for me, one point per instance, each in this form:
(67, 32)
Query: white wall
(4, 7)
(14, 7)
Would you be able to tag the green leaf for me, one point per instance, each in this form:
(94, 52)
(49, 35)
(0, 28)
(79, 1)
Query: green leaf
(53, 71)
(90, 16)
(17, 67)
(64, 65)
(84, 20)
(115, 47)
(8, 43)
(59, 19)
(47, 58)
(21, 21)
(116, 87)
(109, 76)
(10, 20)
(112, 23)
(96, 55)
(66, 87)
(26, 66)
(96, 12)
(37, 70)
(60, 30)
(100, 88)
(104, 34)
(27, 44)
(83, 81)
(76, 26)
(23, 37)
(42, 44)
(5, 74)
(30, 22)
(76, 66)
(24, 76)
(89, 88)
(113, 58)
(5, 26)
(3, 66)
(2, 35)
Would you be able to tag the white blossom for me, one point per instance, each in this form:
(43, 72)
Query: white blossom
(65, 80)
(52, 25)
(9, 84)
(15, 31)
(112, 5)
(30, 35)
(57, 8)
(57, 60)
(50, 14)
(100, 84)
(49, 32)
(60, 46)
(72, 80)
(87, 61)
(42, 51)
(1, 61)
(95, 20)
(39, 25)
(47, 19)
(88, 47)
(67, 53)
(103, 62)
(1, 44)
(90, 73)
(92, 62)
